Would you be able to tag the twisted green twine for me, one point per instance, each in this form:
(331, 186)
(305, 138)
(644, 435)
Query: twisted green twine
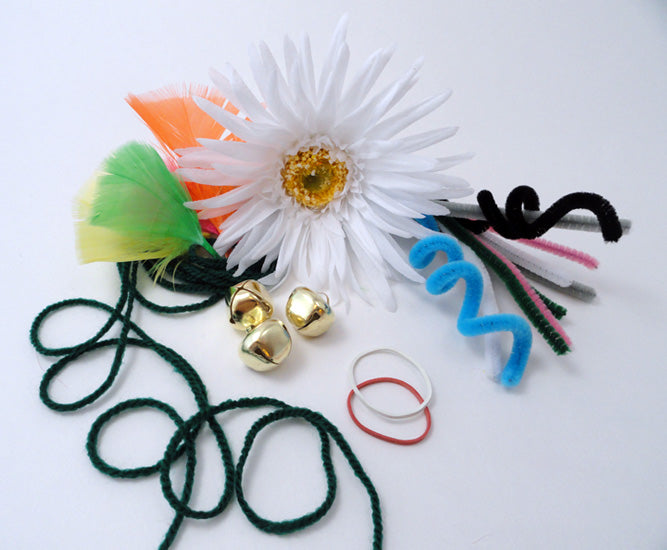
(216, 282)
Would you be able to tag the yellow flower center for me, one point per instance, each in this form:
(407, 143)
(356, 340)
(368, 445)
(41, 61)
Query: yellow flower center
(313, 178)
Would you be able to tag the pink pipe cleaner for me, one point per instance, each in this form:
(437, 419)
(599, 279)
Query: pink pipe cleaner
(544, 310)
(563, 251)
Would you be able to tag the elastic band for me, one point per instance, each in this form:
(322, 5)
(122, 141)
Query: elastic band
(378, 435)
(355, 385)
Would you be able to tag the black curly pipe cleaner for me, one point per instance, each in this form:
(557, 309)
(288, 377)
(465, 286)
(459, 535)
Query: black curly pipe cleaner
(522, 219)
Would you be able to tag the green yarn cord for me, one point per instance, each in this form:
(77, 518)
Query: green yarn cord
(550, 335)
(206, 276)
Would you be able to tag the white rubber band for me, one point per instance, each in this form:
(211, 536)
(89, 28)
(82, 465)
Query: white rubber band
(355, 387)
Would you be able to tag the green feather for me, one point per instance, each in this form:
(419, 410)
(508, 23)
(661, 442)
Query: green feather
(133, 210)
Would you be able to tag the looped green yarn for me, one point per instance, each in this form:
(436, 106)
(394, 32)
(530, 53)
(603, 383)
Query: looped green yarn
(287, 526)
(188, 275)
(195, 274)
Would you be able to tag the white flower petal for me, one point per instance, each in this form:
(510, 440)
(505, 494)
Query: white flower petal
(303, 255)
(236, 227)
(407, 227)
(267, 64)
(423, 140)
(423, 206)
(270, 242)
(394, 256)
(231, 122)
(208, 213)
(269, 259)
(273, 86)
(320, 255)
(291, 58)
(248, 152)
(246, 130)
(454, 160)
(232, 86)
(368, 213)
(208, 177)
(337, 40)
(307, 70)
(376, 107)
(355, 229)
(287, 247)
(457, 193)
(389, 203)
(363, 81)
(392, 125)
(303, 97)
(372, 278)
(452, 186)
(401, 163)
(331, 224)
(278, 105)
(239, 194)
(245, 171)
(330, 94)
(447, 181)
(198, 157)
(245, 252)
(399, 181)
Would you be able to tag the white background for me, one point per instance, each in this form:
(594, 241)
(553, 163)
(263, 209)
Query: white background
(563, 96)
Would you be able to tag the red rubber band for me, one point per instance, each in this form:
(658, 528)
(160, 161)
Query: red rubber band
(378, 435)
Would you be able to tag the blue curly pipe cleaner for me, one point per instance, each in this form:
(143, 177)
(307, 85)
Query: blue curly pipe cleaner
(469, 324)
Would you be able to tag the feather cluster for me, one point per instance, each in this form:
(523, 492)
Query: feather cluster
(133, 209)
(177, 123)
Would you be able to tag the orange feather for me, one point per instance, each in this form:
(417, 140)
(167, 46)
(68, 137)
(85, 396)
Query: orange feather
(176, 121)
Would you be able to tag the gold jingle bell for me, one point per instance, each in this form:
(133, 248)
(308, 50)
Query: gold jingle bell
(249, 306)
(266, 346)
(309, 312)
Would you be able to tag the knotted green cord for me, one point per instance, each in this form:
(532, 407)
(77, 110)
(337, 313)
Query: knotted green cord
(217, 283)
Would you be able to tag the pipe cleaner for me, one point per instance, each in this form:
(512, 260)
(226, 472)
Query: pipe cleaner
(524, 295)
(445, 277)
(515, 223)
(563, 251)
(492, 341)
(530, 265)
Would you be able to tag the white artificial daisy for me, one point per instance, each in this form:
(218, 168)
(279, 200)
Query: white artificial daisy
(321, 184)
